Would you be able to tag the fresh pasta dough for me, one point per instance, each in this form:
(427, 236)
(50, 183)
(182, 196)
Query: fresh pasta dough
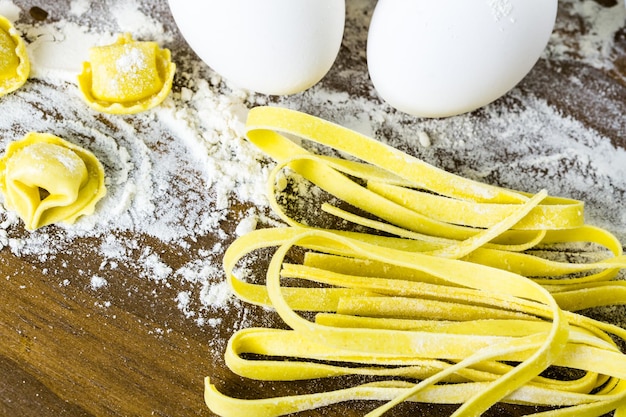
(14, 62)
(46, 180)
(468, 315)
(127, 77)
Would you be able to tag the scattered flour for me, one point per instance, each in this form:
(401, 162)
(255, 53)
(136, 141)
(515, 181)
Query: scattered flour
(197, 134)
(79, 7)
(130, 18)
(98, 282)
(69, 40)
(154, 267)
(246, 225)
(585, 31)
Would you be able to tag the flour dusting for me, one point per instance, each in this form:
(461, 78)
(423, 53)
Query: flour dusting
(176, 173)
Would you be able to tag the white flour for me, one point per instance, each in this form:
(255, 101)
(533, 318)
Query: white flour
(585, 31)
(197, 134)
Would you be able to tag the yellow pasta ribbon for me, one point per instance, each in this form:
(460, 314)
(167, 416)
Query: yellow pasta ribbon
(438, 340)
(470, 316)
(14, 62)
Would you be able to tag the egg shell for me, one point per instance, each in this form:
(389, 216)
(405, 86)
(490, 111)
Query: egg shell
(441, 58)
(275, 47)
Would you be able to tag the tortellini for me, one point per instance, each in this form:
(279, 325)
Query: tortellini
(46, 180)
(127, 76)
(14, 62)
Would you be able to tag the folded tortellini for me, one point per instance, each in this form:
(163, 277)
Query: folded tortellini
(14, 63)
(127, 76)
(46, 180)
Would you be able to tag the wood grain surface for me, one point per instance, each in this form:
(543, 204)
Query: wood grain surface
(63, 354)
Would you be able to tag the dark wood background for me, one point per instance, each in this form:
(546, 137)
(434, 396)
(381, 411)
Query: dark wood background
(62, 355)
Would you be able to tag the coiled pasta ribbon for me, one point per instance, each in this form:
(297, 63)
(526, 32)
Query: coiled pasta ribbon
(448, 305)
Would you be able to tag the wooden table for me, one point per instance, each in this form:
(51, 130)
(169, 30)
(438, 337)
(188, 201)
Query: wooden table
(63, 354)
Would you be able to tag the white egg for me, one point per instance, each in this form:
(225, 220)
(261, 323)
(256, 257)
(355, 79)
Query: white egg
(270, 46)
(436, 58)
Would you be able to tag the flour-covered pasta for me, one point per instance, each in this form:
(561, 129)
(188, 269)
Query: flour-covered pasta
(46, 180)
(127, 76)
(14, 62)
(444, 305)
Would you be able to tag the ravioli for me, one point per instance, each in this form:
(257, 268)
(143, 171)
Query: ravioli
(46, 180)
(14, 62)
(127, 76)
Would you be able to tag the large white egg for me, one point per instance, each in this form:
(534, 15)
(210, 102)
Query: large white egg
(438, 58)
(270, 46)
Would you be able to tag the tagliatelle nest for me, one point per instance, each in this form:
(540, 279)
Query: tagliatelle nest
(446, 307)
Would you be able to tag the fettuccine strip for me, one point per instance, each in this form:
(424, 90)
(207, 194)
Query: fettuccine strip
(449, 307)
